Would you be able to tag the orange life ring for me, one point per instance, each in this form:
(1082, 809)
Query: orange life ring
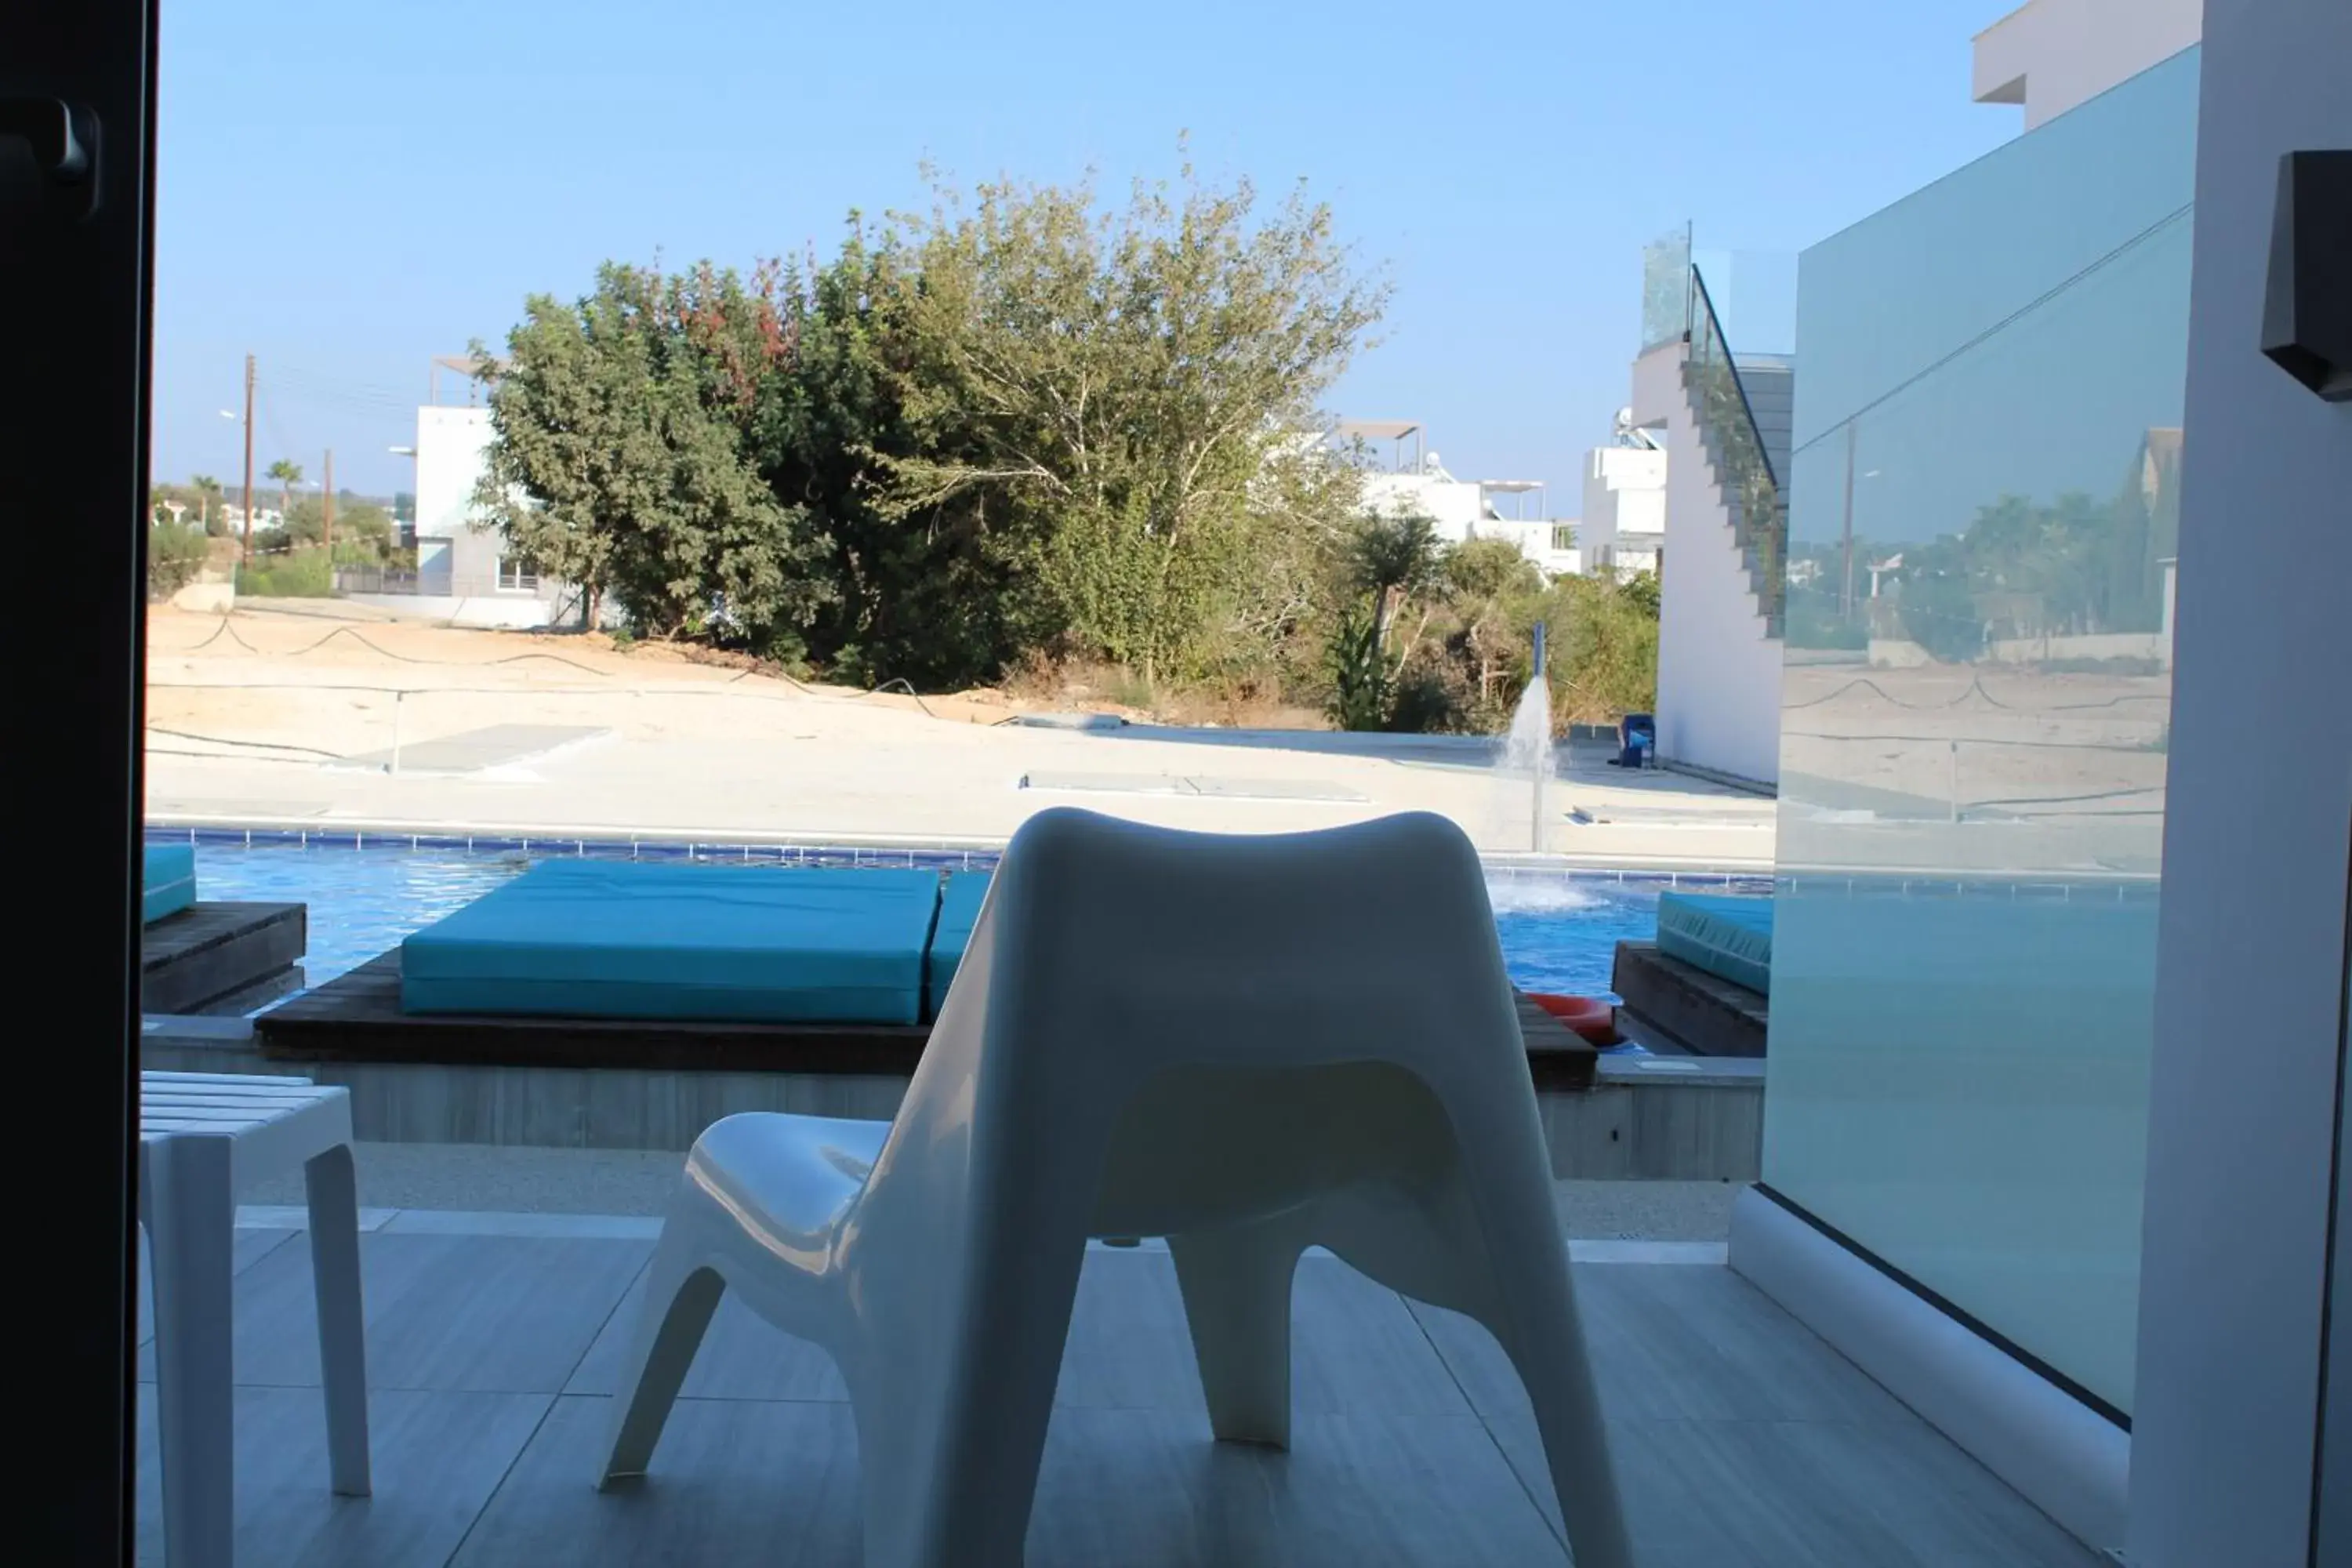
(1595, 1019)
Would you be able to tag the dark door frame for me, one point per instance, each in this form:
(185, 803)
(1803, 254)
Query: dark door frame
(76, 278)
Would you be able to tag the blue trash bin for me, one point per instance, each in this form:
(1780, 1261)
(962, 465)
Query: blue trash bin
(1637, 735)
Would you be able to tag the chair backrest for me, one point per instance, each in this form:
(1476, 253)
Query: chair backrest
(1155, 1032)
(1111, 955)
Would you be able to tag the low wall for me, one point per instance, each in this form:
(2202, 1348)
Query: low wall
(1647, 1118)
(511, 612)
(206, 598)
(2152, 648)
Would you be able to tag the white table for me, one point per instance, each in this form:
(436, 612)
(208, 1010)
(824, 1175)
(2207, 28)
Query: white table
(202, 1138)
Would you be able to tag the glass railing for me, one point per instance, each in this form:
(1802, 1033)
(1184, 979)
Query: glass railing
(1752, 492)
(1666, 289)
(1984, 506)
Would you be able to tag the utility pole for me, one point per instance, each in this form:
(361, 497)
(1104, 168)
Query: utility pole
(326, 497)
(248, 460)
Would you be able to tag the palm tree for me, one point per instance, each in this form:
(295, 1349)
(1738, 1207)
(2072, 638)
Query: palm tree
(287, 473)
(207, 487)
(1393, 558)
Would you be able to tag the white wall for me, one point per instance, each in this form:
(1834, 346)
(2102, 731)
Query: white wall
(514, 611)
(1624, 494)
(2250, 985)
(452, 446)
(2051, 55)
(1718, 674)
(1453, 504)
(1460, 510)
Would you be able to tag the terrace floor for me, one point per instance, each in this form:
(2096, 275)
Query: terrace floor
(1741, 1440)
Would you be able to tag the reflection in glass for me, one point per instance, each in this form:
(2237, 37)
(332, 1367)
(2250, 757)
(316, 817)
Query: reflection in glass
(1983, 505)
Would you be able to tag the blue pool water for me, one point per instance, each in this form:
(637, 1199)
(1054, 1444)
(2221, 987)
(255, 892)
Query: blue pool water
(1559, 931)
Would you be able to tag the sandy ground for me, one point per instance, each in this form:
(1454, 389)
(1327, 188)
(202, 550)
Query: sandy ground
(270, 717)
(1984, 767)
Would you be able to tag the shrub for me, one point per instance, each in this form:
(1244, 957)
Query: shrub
(175, 552)
(300, 575)
(1434, 696)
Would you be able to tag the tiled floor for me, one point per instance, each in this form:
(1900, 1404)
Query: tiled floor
(1741, 1441)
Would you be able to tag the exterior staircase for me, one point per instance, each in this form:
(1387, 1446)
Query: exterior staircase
(1742, 412)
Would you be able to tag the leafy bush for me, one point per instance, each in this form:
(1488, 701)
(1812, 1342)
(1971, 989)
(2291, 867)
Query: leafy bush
(300, 573)
(1435, 696)
(175, 553)
(1359, 667)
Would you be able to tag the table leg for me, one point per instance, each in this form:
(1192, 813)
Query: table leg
(190, 1228)
(334, 1193)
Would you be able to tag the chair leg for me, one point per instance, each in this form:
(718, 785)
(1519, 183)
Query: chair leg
(950, 1466)
(680, 1296)
(1531, 1311)
(333, 1192)
(191, 1226)
(1236, 1285)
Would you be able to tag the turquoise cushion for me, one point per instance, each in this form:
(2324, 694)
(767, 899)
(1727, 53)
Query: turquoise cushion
(1730, 938)
(634, 940)
(169, 883)
(959, 909)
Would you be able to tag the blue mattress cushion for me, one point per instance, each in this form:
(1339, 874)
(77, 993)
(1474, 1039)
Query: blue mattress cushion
(168, 882)
(958, 910)
(1730, 937)
(632, 940)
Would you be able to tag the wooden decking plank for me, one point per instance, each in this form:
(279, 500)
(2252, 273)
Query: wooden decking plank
(1705, 1014)
(214, 950)
(358, 1017)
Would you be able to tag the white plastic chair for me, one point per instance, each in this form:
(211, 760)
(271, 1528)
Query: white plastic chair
(1248, 1045)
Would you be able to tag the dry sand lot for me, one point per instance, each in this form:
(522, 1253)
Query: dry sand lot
(280, 717)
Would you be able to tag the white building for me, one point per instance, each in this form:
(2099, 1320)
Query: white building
(1463, 509)
(464, 573)
(2048, 56)
(1718, 629)
(1625, 523)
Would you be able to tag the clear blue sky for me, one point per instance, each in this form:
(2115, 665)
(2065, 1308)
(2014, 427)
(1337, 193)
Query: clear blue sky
(346, 192)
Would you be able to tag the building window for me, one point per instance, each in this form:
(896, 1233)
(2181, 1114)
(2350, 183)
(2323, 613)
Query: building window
(1563, 536)
(518, 575)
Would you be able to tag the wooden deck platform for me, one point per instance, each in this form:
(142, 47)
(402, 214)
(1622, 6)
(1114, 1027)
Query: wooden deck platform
(358, 1019)
(1704, 1014)
(210, 955)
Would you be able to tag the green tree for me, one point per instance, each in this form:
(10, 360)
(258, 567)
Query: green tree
(619, 460)
(1394, 560)
(287, 473)
(1486, 583)
(208, 510)
(1604, 646)
(1116, 387)
(1384, 563)
(2023, 570)
(363, 530)
(919, 593)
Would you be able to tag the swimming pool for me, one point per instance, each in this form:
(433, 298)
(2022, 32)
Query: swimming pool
(1559, 930)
